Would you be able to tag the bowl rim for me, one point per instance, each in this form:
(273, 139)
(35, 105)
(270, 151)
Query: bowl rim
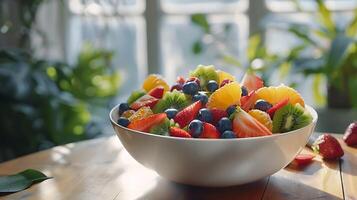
(309, 108)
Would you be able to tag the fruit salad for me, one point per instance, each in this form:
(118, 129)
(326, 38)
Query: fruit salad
(211, 103)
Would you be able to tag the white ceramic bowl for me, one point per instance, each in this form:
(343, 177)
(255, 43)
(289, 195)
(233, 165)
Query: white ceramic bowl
(213, 162)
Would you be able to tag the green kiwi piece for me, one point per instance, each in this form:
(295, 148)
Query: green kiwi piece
(290, 117)
(174, 99)
(135, 95)
(205, 74)
(161, 129)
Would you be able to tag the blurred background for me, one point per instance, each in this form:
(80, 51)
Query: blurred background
(64, 63)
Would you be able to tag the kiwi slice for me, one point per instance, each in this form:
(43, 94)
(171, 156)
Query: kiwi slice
(161, 129)
(205, 74)
(135, 95)
(290, 117)
(174, 99)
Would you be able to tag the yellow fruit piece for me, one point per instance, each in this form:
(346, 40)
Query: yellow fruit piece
(225, 96)
(262, 117)
(128, 113)
(154, 80)
(275, 94)
(222, 75)
(142, 113)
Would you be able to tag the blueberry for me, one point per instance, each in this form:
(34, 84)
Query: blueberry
(123, 107)
(123, 121)
(200, 97)
(190, 88)
(244, 91)
(228, 134)
(195, 128)
(230, 110)
(262, 105)
(205, 115)
(171, 113)
(224, 124)
(212, 86)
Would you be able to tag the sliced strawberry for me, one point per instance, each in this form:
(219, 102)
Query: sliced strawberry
(303, 159)
(252, 81)
(195, 79)
(247, 102)
(157, 92)
(145, 124)
(328, 147)
(209, 131)
(180, 80)
(350, 136)
(177, 132)
(217, 114)
(277, 106)
(185, 116)
(146, 100)
(245, 125)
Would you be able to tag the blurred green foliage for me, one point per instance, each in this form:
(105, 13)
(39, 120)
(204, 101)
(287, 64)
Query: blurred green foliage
(45, 103)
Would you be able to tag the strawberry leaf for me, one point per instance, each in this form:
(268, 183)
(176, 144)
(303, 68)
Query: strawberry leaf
(21, 181)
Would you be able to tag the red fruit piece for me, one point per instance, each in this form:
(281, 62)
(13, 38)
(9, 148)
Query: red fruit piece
(185, 116)
(328, 147)
(217, 114)
(252, 81)
(176, 86)
(145, 124)
(276, 107)
(195, 79)
(209, 131)
(180, 80)
(350, 136)
(303, 159)
(157, 92)
(145, 100)
(245, 125)
(247, 102)
(177, 132)
(225, 81)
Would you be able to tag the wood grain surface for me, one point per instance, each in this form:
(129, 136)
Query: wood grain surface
(102, 169)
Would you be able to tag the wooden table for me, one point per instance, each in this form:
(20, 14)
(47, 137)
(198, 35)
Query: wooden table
(102, 169)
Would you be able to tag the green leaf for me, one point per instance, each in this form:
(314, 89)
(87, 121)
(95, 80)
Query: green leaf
(325, 17)
(316, 90)
(302, 32)
(21, 181)
(197, 47)
(337, 52)
(201, 21)
(352, 27)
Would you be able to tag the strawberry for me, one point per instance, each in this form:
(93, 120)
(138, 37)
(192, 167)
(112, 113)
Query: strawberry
(252, 81)
(217, 114)
(350, 136)
(185, 116)
(146, 100)
(177, 132)
(209, 131)
(328, 147)
(193, 79)
(247, 102)
(145, 124)
(180, 80)
(302, 160)
(157, 92)
(277, 106)
(245, 125)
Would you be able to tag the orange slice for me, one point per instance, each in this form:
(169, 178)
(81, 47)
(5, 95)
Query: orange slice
(153, 81)
(275, 94)
(225, 96)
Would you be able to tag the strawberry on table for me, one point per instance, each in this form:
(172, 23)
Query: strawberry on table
(302, 160)
(177, 132)
(209, 131)
(245, 125)
(185, 116)
(328, 147)
(146, 100)
(251, 81)
(145, 124)
(350, 136)
(157, 92)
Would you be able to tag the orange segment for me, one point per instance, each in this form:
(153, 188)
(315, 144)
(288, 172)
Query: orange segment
(153, 81)
(225, 96)
(222, 75)
(275, 94)
(262, 117)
